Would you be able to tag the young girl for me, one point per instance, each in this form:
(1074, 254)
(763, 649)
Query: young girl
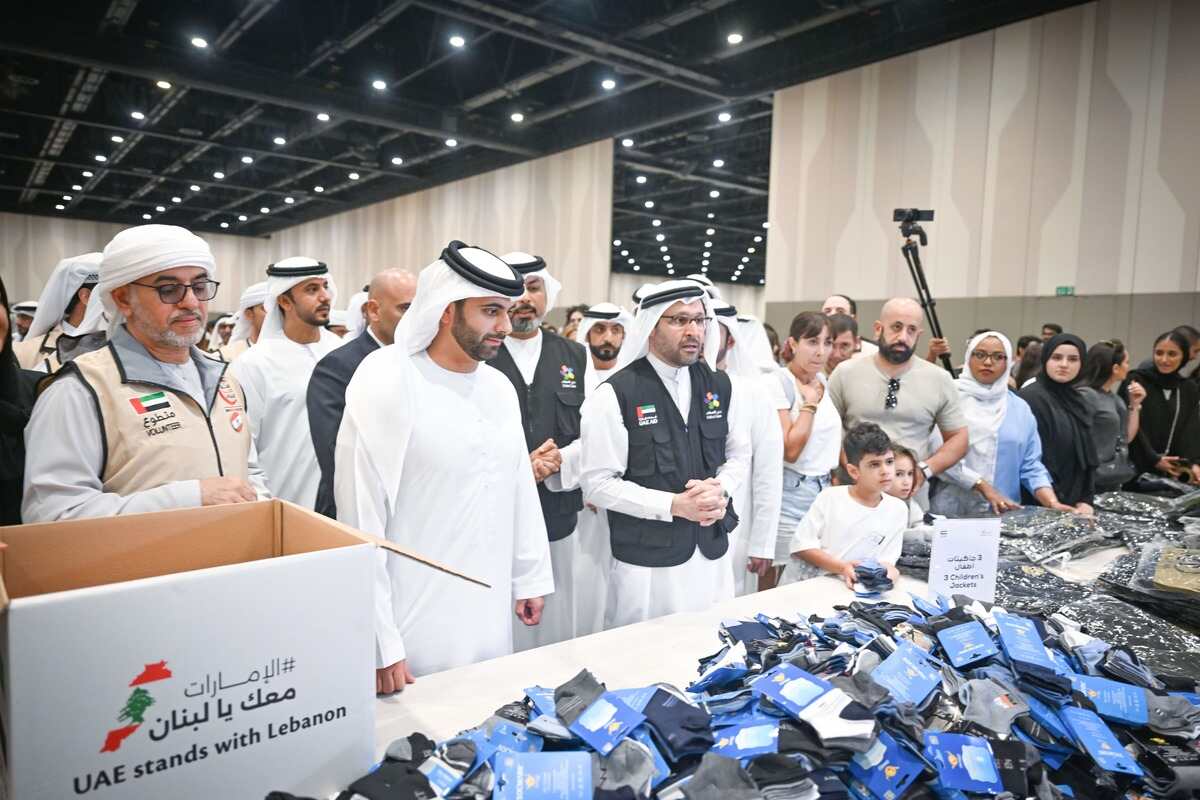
(902, 484)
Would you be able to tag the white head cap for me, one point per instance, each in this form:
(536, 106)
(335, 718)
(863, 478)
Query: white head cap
(534, 267)
(601, 312)
(283, 275)
(655, 301)
(68, 276)
(254, 295)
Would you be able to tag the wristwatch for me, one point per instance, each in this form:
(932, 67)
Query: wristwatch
(926, 470)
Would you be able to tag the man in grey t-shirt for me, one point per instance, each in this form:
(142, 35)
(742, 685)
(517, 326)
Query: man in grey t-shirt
(907, 397)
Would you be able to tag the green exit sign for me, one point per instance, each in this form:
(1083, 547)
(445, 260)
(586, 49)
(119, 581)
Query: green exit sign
(1064, 291)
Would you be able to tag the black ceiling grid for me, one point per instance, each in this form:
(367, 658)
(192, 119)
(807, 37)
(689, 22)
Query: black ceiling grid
(249, 116)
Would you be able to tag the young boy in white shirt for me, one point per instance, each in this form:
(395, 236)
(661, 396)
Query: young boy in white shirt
(849, 524)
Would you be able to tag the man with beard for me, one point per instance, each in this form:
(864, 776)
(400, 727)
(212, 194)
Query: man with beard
(276, 370)
(602, 332)
(662, 459)
(549, 374)
(149, 422)
(906, 397)
(431, 454)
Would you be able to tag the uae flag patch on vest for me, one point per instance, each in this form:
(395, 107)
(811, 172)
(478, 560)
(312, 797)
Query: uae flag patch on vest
(647, 415)
(150, 402)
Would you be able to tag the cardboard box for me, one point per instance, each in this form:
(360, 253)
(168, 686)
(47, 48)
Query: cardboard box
(201, 653)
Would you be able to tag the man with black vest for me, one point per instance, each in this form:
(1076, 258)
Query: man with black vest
(548, 373)
(660, 456)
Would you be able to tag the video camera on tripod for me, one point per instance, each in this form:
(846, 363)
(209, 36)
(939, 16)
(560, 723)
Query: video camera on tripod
(909, 228)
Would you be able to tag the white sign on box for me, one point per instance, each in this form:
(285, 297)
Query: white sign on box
(963, 558)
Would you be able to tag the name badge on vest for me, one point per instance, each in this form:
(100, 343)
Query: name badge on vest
(568, 377)
(233, 406)
(712, 406)
(156, 413)
(647, 415)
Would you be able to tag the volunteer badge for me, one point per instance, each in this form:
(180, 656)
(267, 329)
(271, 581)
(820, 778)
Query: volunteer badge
(150, 402)
(568, 377)
(647, 415)
(712, 405)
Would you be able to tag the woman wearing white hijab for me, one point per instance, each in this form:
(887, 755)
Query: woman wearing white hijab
(1005, 452)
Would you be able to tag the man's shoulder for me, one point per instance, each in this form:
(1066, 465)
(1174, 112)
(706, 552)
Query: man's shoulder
(348, 355)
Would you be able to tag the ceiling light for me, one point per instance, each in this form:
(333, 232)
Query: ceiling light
(247, 160)
(608, 84)
(734, 38)
(745, 259)
(194, 187)
(718, 162)
(733, 277)
(318, 189)
(100, 158)
(766, 224)
(289, 200)
(60, 207)
(322, 117)
(749, 249)
(163, 84)
(452, 143)
(264, 210)
(457, 41)
(146, 216)
(710, 231)
(706, 253)
(670, 271)
(176, 199)
(117, 139)
(224, 224)
(704, 264)
(660, 237)
(758, 238)
(649, 204)
(242, 218)
(138, 115)
(624, 252)
(631, 261)
(762, 280)
(663, 248)
(627, 142)
(640, 179)
(666, 258)
(87, 173)
(378, 85)
(160, 209)
(714, 194)
(75, 187)
(708, 244)
(199, 41)
(656, 222)
(353, 176)
(517, 116)
(397, 160)
(724, 116)
(219, 175)
(636, 268)
(616, 242)
(711, 215)
(279, 140)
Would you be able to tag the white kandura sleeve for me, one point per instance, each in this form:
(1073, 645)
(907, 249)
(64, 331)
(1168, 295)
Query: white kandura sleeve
(362, 504)
(258, 478)
(605, 457)
(734, 473)
(567, 479)
(532, 573)
(64, 453)
(766, 473)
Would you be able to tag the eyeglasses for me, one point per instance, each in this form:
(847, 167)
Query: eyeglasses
(683, 320)
(172, 293)
(989, 358)
(890, 401)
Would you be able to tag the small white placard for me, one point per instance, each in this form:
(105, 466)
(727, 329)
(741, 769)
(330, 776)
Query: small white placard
(963, 561)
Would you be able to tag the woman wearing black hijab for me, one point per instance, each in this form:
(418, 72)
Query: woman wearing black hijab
(16, 401)
(1064, 422)
(1168, 440)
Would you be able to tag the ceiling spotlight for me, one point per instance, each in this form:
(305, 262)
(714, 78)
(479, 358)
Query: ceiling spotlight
(163, 84)
(177, 199)
(718, 162)
(627, 142)
(279, 140)
(656, 223)
(75, 187)
(636, 268)
(397, 160)
(219, 175)
(616, 242)
(708, 244)
(766, 224)
(660, 237)
(734, 38)
(624, 252)
(745, 259)
(117, 139)
(247, 160)
(517, 116)
(289, 200)
(378, 85)
(757, 238)
(762, 280)
(160, 209)
(704, 264)
(710, 231)
(733, 277)
(242, 218)
(649, 204)
(724, 116)
(353, 176)
(452, 143)
(663, 248)
(749, 249)
(631, 261)
(87, 173)
(199, 41)
(711, 215)
(706, 253)
(194, 187)
(714, 194)
(666, 258)
(670, 271)
(318, 189)
(138, 115)
(224, 224)
(146, 216)
(640, 179)
(264, 210)
(322, 117)
(60, 207)
(457, 41)
(100, 158)
(608, 84)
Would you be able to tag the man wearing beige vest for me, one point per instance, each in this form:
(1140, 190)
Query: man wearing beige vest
(60, 310)
(148, 422)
